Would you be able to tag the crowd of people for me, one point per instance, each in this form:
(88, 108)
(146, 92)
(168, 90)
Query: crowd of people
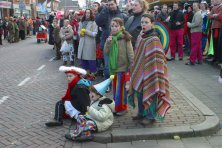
(14, 29)
(123, 47)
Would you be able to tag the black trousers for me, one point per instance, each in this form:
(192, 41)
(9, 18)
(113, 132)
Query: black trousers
(22, 34)
(59, 111)
(220, 46)
(0, 39)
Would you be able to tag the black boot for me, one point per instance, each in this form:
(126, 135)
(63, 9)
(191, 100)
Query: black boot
(72, 63)
(64, 63)
(54, 123)
(57, 58)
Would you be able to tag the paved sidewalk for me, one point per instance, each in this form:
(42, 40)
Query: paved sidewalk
(28, 107)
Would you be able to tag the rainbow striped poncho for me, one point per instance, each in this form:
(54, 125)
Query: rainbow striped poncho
(149, 74)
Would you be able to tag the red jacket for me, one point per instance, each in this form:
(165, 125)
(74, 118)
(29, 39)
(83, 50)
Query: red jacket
(217, 20)
(75, 25)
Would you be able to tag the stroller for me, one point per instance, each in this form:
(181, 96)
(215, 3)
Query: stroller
(42, 34)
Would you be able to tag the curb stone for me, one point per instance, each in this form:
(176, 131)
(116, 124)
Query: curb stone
(208, 127)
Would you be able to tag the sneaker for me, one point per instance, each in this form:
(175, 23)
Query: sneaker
(146, 121)
(199, 62)
(180, 59)
(190, 63)
(171, 59)
(69, 137)
(53, 123)
(121, 113)
(64, 63)
(72, 63)
(138, 117)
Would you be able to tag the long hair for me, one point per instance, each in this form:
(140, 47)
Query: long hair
(143, 4)
(91, 16)
(121, 23)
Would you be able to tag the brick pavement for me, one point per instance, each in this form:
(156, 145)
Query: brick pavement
(23, 115)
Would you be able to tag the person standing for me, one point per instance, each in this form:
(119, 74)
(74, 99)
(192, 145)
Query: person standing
(204, 13)
(196, 36)
(1, 31)
(16, 37)
(66, 34)
(11, 30)
(133, 24)
(119, 49)
(149, 80)
(21, 25)
(103, 20)
(176, 21)
(216, 17)
(87, 43)
(50, 21)
(75, 26)
(57, 39)
(163, 15)
(5, 28)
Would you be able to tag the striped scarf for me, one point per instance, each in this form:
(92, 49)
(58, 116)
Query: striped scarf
(149, 74)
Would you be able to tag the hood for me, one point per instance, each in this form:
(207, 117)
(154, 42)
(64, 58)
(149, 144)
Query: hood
(85, 82)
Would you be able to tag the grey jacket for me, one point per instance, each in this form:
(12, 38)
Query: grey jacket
(196, 25)
(87, 44)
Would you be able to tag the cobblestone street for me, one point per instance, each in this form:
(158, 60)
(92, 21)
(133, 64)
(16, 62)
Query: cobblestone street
(30, 85)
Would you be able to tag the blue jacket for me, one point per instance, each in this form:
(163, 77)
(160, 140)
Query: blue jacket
(103, 20)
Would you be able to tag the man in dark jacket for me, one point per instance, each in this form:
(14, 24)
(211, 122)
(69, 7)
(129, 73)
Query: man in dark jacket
(163, 15)
(176, 21)
(103, 20)
(133, 24)
(50, 21)
(5, 28)
(76, 99)
(1, 31)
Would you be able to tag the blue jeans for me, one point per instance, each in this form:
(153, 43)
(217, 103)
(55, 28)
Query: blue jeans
(106, 66)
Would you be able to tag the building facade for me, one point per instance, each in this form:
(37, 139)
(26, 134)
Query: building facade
(5, 8)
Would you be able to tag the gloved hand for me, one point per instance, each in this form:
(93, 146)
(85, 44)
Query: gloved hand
(105, 101)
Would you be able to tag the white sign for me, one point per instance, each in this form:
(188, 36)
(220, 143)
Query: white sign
(5, 4)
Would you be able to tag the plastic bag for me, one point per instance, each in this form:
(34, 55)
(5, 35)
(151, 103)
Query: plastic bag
(65, 47)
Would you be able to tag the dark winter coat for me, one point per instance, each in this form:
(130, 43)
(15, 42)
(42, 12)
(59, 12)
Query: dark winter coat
(162, 17)
(79, 92)
(176, 16)
(103, 20)
(133, 26)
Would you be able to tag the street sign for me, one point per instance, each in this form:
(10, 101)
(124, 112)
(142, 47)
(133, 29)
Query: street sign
(22, 5)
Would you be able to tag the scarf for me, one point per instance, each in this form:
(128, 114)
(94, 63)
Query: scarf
(72, 84)
(113, 53)
(148, 33)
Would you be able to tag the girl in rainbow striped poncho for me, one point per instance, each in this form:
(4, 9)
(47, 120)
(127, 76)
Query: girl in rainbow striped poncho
(149, 76)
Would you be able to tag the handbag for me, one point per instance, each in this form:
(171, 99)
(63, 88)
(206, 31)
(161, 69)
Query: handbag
(65, 47)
